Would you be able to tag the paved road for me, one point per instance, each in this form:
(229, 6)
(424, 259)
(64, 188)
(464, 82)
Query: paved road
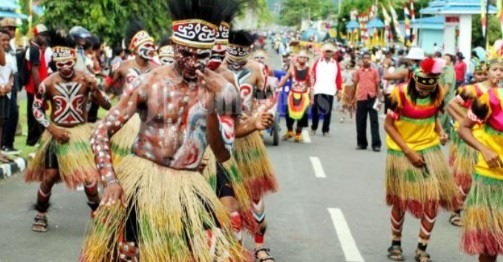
(330, 208)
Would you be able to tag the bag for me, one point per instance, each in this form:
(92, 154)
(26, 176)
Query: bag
(23, 69)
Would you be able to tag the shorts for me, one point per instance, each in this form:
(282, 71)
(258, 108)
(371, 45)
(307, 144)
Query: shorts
(51, 160)
(224, 185)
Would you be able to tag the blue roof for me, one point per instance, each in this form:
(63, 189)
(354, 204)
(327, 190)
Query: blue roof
(375, 23)
(455, 7)
(12, 14)
(9, 4)
(352, 25)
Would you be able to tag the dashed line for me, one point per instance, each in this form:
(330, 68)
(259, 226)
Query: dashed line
(318, 168)
(305, 136)
(346, 240)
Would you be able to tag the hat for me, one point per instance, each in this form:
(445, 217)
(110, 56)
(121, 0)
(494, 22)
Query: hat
(328, 47)
(428, 72)
(415, 53)
(8, 22)
(40, 28)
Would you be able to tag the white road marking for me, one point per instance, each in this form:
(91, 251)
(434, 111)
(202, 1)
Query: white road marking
(318, 168)
(345, 238)
(305, 136)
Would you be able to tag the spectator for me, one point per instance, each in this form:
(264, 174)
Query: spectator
(7, 72)
(327, 81)
(38, 67)
(448, 82)
(460, 69)
(9, 128)
(366, 80)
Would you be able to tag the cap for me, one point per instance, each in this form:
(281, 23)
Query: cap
(40, 28)
(415, 53)
(328, 47)
(8, 22)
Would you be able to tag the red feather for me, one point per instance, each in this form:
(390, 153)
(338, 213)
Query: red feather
(427, 65)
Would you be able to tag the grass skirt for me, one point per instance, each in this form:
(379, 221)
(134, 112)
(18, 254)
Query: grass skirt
(173, 215)
(462, 158)
(483, 218)
(122, 141)
(415, 190)
(75, 158)
(254, 165)
(210, 171)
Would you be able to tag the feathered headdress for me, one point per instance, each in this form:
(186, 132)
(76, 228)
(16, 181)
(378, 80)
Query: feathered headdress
(481, 67)
(240, 44)
(195, 22)
(63, 46)
(428, 73)
(136, 35)
(494, 53)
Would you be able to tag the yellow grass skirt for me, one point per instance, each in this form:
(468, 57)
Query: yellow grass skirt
(75, 158)
(210, 171)
(462, 158)
(121, 142)
(415, 189)
(483, 217)
(254, 165)
(173, 214)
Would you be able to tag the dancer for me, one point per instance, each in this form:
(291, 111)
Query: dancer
(64, 153)
(249, 151)
(299, 97)
(166, 52)
(418, 180)
(156, 206)
(483, 218)
(142, 44)
(462, 157)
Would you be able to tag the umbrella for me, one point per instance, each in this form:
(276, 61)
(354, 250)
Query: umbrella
(481, 53)
(375, 23)
(352, 25)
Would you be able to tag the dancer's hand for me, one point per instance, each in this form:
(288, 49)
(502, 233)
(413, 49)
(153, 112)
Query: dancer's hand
(210, 80)
(492, 159)
(444, 138)
(415, 158)
(112, 194)
(264, 120)
(60, 134)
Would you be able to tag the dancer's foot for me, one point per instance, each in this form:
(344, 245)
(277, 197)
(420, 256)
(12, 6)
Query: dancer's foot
(298, 138)
(455, 220)
(288, 135)
(40, 223)
(395, 253)
(422, 256)
(263, 255)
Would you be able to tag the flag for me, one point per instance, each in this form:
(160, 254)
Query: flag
(395, 22)
(406, 15)
(483, 16)
(499, 6)
(388, 36)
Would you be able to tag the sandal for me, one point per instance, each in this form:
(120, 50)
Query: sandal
(422, 256)
(455, 220)
(395, 253)
(40, 224)
(267, 258)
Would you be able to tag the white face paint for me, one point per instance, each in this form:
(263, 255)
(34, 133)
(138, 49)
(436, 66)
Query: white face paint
(146, 50)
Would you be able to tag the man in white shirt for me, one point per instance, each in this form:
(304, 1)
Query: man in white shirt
(6, 84)
(327, 81)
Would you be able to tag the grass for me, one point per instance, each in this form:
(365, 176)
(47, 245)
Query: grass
(20, 141)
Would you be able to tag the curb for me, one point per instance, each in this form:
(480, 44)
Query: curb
(18, 165)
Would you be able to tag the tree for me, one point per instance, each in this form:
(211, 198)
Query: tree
(107, 18)
(493, 31)
(294, 11)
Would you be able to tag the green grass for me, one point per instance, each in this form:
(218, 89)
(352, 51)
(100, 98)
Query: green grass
(20, 141)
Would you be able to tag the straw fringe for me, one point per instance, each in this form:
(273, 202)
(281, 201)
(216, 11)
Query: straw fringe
(75, 158)
(463, 165)
(411, 189)
(122, 141)
(210, 171)
(483, 218)
(172, 213)
(254, 165)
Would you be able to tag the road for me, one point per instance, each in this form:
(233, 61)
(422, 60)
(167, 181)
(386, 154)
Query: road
(330, 207)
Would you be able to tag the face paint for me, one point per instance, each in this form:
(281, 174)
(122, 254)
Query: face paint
(65, 67)
(166, 60)
(217, 56)
(146, 50)
(190, 59)
(237, 57)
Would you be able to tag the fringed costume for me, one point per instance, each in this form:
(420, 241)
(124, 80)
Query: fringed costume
(483, 219)
(412, 188)
(122, 141)
(74, 159)
(171, 219)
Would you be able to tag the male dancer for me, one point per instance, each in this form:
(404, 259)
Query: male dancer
(166, 53)
(63, 155)
(299, 96)
(171, 213)
(257, 170)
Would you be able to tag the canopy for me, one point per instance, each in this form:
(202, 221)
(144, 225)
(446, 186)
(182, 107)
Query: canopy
(8, 4)
(309, 33)
(352, 25)
(11, 14)
(375, 23)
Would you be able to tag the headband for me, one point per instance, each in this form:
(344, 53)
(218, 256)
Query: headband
(222, 35)
(194, 33)
(166, 50)
(237, 52)
(61, 53)
(139, 39)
